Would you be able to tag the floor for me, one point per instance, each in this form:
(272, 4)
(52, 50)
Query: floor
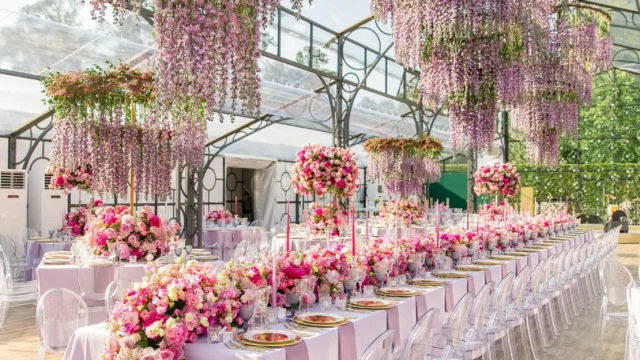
(19, 341)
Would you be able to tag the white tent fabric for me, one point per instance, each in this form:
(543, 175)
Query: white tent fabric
(265, 196)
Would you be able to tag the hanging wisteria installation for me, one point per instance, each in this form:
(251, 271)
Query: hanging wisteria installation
(464, 49)
(558, 79)
(103, 119)
(206, 61)
(404, 165)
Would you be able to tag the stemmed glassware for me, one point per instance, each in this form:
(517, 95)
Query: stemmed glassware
(247, 311)
(354, 274)
(310, 281)
(262, 299)
(178, 252)
(188, 249)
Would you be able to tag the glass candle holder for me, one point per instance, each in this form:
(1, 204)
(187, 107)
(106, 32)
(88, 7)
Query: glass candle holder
(133, 259)
(368, 290)
(214, 334)
(325, 302)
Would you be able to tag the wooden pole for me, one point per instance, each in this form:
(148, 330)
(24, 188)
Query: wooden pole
(131, 175)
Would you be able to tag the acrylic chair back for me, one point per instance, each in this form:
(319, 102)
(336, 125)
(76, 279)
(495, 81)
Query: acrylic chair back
(116, 291)
(459, 323)
(9, 246)
(633, 331)
(519, 287)
(419, 343)
(501, 295)
(58, 314)
(480, 307)
(536, 278)
(257, 223)
(615, 278)
(381, 348)
(95, 276)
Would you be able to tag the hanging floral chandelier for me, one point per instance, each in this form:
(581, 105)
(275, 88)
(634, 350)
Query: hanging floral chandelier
(404, 165)
(557, 79)
(464, 50)
(104, 118)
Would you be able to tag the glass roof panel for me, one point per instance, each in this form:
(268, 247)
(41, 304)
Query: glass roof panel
(20, 101)
(624, 4)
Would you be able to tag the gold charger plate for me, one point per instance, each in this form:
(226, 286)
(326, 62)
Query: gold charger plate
(322, 325)
(452, 275)
(488, 262)
(470, 268)
(427, 283)
(504, 257)
(244, 341)
(408, 295)
(529, 250)
(516, 253)
(371, 307)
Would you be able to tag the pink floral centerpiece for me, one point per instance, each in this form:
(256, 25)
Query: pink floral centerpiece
(500, 179)
(141, 235)
(378, 250)
(220, 215)
(321, 169)
(330, 266)
(171, 306)
(325, 219)
(62, 179)
(75, 220)
(408, 211)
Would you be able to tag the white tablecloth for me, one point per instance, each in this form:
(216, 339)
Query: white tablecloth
(36, 250)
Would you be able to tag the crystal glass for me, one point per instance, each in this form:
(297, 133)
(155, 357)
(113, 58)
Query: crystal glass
(214, 334)
(178, 252)
(133, 259)
(293, 300)
(341, 302)
(188, 249)
(392, 281)
(246, 314)
(368, 290)
(325, 302)
(401, 279)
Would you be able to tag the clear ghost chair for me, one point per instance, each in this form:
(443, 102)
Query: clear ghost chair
(615, 279)
(253, 238)
(116, 291)
(496, 326)
(381, 348)
(240, 251)
(7, 273)
(546, 295)
(533, 304)
(17, 265)
(257, 223)
(59, 313)
(476, 341)
(207, 242)
(515, 316)
(418, 344)
(633, 330)
(93, 279)
(456, 329)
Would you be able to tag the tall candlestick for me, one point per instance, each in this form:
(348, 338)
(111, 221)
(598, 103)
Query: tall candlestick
(237, 206)
(287, 246)
(353, 231)
(366, 220)
(447, 203)
(395, 245)
(437, 226)
(273, 279)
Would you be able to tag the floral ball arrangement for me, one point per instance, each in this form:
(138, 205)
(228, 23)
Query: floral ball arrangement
(403, 165)
(143, 235)
(500, 179)
(408, 211)
(75, 220)
(220, 215)
(324, 170)
(325, 219)
(62, 179)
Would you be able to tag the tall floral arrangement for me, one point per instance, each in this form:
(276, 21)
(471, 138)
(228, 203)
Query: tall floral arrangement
(141, 235)
(407, 211)
(321, 170)
(502, 179)
(223, 215)
(325, 219)
(107, 115)
(404, 165)
(62, 179)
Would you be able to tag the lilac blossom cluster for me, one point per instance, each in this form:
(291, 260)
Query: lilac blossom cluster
(402, 175)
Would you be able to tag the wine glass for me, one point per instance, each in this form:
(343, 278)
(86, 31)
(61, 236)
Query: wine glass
(354, 274)
(188, 249)
(362, 275)
(51, 232)
(311, 281)
(178, 252)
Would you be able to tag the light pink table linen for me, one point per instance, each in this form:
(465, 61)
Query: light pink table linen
(533, 259)
(493, 273)
(521, 263)
(475, 281)
(454, 291)
(226, 239)
(508, 267)
(35, 252)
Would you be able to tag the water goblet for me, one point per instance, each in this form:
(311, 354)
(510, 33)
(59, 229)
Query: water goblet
(348, 285)
(246, 314)
(293, 300)
(354, 274)
(188, 249)
(178, 251)
(362, 275)
(51, 232)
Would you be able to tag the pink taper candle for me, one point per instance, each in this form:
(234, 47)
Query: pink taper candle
(287, 246)
(353, 231)
(366, 220)
(437, 225)
(273, 279)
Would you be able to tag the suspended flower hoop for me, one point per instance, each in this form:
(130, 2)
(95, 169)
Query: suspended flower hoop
(404, 165)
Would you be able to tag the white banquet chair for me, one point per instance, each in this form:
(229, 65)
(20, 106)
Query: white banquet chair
(615, 279)
(418, 344)
(632, 350)
(381, 348)
(116, 291)
(58, 314)
(496, 327)
(94, 277)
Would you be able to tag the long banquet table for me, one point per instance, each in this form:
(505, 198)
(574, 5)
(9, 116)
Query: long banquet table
(351, 340)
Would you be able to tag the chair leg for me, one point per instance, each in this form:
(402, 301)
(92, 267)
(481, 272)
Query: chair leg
(564, 310)
(511, 344)
(41, 353)
(574, 307)
(551, 315)
(527, 337)
(541, 331)
(602, 328)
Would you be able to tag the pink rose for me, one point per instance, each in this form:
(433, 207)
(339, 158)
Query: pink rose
(166, 355)
(154, 221)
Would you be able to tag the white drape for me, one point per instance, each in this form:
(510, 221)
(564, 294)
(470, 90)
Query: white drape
(264, 200)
